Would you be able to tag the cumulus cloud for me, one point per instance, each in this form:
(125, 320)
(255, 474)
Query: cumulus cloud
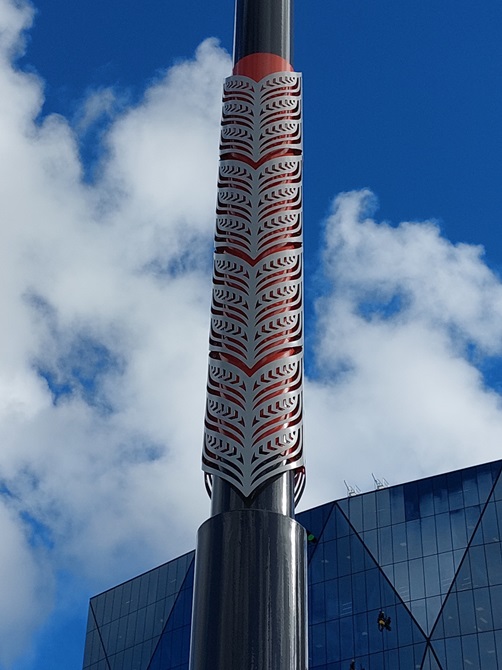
(406, 320)
(105, 301)
(27, 586)
(103, 344)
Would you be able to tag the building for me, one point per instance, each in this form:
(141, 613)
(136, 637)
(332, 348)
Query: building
(427, 554)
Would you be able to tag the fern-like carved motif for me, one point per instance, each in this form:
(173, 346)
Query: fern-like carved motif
(253, 426)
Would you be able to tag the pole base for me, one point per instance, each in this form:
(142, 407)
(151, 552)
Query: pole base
(250, 602)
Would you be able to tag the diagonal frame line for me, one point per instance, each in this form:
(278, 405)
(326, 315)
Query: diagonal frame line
(171, 612)
(100, 636)
(385, 576)
(448, 593)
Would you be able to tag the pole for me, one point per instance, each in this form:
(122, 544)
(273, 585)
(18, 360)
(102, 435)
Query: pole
(249, 609)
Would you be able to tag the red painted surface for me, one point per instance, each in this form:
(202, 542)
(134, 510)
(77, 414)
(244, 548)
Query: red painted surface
(257, 66)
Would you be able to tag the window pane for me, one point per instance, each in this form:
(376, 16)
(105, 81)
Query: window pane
(383, 508)
(470, 488)
(490, 525)
(399, 543)
(446, 571)
(494, 563)
(417, 585)
(318, 644)
(479, 573)
(443, 532)
(397, 504)
(369, 511)
(431, 569)
(411, 504)
(482, 606)
(414, 538)
(487, 651)
(470, 651)
(467, 612)
(429, 539)
(440, 495)
(458, 529)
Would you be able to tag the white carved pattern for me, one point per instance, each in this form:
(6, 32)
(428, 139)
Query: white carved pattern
(257, 311)
(254, 423)
(260, 118)
(253, 428)
(258, 208)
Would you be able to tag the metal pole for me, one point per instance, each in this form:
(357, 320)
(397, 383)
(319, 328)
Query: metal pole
(249, 608)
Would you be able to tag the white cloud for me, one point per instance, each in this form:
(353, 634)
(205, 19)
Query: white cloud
(405, 316)
(104, 339)
(27, 586)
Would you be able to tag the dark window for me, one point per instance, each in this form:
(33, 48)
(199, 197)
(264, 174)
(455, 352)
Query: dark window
(467, 613)
(490, 525)
(426, 499)
(383, 508)
(446, 571)
(470, 651)
(399, 542)
(454, 653)
(414, 538)
(397, 504)
(356, 512)
(433, 606)
(470, 488)
(411, 502)
(483, 610)
(333, 641)
(417, 584)
(385, 545)
(369, 511)
(455, 493)
(431, 571)
(443, 532)
(488, 651)
(318, 644)
(330, 567)
(450, 616)
(494, 563)
(429, 538)
(496, 600)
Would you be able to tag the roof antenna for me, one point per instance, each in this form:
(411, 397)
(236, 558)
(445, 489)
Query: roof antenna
(351, 490)
(380, 483)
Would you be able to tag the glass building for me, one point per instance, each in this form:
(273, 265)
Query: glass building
(401, 578)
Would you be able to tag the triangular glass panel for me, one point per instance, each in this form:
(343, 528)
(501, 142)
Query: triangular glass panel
(173, 647)
(418, 533)
(347, 601)
(467, 610)
(486, 475)
(134, 614)
(314, 522)
(94, 650)
(430, 662)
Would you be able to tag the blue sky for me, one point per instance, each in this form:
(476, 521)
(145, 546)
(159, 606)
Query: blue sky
(108, 141)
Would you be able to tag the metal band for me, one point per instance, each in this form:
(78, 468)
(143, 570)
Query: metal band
(253, 428)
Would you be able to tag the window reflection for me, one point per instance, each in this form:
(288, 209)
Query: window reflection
(409, 550)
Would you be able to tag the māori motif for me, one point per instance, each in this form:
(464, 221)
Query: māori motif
(253, 426)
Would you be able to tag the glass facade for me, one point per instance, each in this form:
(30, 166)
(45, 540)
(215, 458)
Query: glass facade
(406, 577)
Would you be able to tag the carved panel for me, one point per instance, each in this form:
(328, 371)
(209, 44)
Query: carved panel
(253, 427)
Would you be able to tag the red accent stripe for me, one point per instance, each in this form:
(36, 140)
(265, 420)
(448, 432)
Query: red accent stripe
(257, 66)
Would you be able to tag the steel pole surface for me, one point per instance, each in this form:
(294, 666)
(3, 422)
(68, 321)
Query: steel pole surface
(249, 609)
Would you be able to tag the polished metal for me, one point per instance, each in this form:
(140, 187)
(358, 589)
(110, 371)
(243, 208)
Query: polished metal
(249, 610)
(257, 621)
(263, 26)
